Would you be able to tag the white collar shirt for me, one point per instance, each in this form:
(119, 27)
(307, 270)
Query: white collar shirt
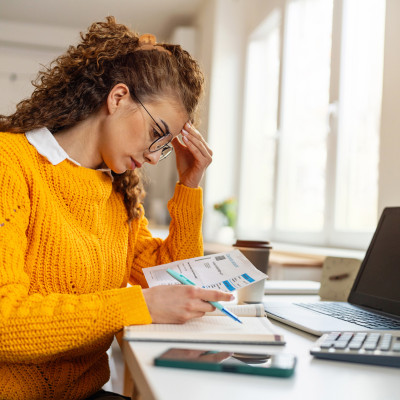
(47, 146)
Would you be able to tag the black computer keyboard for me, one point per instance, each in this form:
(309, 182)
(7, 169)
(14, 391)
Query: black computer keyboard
(378, 348)
(351, 314)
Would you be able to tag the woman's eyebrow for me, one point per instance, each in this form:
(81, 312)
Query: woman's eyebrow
(167, 131)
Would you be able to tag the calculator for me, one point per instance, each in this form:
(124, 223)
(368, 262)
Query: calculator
(379, 348)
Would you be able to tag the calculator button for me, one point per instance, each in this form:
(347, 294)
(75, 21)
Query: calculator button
(386, 342)
(326, 345)
(333, 336)
(360, 336)
(355, 345)
(340, 345)
(374, 336)
(372, 341)
(396, 346)
(346, 336)
(370, 346)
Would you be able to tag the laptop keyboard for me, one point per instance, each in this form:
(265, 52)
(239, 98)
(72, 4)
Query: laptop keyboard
(354, 315)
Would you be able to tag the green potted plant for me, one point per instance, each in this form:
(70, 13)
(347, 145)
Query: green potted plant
(228, 208)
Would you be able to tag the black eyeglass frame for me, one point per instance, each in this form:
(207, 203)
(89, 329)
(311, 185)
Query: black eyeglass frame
(166, 149)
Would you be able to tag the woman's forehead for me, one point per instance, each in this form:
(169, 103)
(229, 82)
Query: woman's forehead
(170, 113)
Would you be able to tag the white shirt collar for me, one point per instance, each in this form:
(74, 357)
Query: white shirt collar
(46, 145)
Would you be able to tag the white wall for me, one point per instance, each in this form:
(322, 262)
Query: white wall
(204, 24)
(24, 49)
(37, 36)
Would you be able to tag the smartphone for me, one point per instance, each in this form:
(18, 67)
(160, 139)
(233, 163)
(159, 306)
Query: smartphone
(281, 364)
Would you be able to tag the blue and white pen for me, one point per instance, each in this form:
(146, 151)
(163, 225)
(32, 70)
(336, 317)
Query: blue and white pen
(185, 281)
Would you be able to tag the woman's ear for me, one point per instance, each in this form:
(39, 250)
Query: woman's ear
(119, 95)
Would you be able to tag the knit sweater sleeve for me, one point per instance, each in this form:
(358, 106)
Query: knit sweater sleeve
(185, 234)
(35, 327)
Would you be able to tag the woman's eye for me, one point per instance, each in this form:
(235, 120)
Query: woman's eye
(156, 134)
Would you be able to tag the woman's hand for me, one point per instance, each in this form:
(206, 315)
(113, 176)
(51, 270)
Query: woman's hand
(192, 157)
(176, 304)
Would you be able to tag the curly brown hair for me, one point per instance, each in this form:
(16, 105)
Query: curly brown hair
(77, 84)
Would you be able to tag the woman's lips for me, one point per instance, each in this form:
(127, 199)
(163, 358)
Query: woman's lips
(135, 164)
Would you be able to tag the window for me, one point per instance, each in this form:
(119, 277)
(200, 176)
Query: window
(260, 125)
(304, 128)
(359, 112)
(311, 123)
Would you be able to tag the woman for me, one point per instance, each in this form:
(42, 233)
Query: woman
(72, 227)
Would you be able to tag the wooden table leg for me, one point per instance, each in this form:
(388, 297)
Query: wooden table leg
(128, 383)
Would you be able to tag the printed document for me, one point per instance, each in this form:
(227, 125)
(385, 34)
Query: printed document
(224, 271)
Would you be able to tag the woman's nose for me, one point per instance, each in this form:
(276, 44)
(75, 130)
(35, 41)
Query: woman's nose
(153, 158)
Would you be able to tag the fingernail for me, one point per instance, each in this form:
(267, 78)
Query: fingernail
(232, 297)
(185, 132)
(188, 124)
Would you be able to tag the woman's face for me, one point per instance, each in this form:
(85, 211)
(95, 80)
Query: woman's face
(128, 130)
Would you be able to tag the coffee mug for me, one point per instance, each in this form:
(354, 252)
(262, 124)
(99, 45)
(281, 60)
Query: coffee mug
(257, 252)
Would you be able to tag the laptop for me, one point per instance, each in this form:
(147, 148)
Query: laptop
(374, 300)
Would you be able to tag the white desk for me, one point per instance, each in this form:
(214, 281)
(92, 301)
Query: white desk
(313, 379)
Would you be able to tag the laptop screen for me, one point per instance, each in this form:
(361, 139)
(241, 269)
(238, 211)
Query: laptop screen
(378, 282)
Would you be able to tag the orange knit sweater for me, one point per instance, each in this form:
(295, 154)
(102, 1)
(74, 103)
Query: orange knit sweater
(66, 256)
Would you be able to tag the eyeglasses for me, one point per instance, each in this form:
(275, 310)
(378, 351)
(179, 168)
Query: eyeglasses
(163, 142)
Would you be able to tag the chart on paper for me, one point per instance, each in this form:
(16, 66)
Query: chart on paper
(224, 271)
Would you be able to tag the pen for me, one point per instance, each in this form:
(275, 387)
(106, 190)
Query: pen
(185, 281)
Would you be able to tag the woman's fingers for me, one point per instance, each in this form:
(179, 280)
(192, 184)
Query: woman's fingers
(213, 295)
(197, 148)
(178, 304)
(196, 137)
(193, 156)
